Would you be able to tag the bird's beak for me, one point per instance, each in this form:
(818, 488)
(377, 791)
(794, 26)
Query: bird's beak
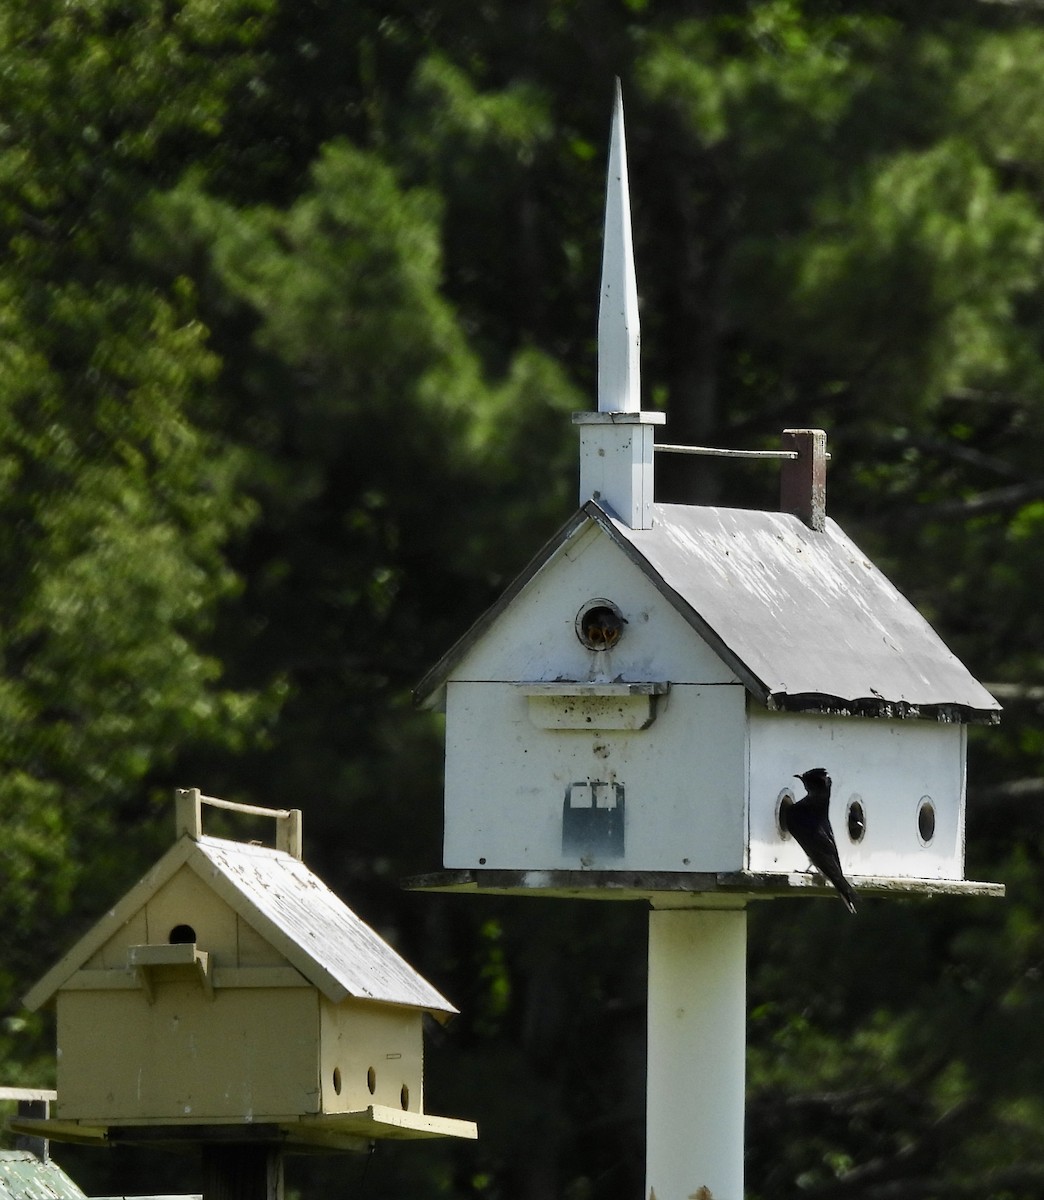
(797, 776)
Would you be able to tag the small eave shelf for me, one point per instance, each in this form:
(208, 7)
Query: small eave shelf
(572, 704)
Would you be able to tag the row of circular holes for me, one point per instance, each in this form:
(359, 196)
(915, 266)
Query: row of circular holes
(371, 1083)
(855, 817)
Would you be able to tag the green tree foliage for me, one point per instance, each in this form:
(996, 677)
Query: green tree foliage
(117, 500)
(295, 301)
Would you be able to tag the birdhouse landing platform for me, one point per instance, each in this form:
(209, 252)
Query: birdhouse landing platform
(685, 889)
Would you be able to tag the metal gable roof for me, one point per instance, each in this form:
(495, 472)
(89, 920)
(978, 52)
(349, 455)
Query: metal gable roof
(291, 906)
(803, 618)
(23, 1176)
(806, 617)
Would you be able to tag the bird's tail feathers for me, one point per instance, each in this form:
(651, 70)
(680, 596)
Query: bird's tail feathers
(847, 896)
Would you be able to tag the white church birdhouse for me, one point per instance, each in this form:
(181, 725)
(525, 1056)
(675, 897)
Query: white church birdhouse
(231, 986)
(629, 717)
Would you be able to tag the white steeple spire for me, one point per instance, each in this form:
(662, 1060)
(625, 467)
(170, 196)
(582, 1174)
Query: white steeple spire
(616, 442)
(619, 336)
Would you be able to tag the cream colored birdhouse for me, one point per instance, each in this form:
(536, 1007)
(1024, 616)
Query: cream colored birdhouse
(231, 986)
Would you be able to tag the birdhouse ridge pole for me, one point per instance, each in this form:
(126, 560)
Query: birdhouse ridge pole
(619, 332)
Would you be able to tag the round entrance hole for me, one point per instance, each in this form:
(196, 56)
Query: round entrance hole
(925, 820)
(371, 1080)
(181, 935)
(783, 801)
(337, 1080)
(600, 624)
(404, 1096)
(855, 819)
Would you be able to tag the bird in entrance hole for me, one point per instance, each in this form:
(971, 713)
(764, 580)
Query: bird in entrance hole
(808, 822)
(601, 627)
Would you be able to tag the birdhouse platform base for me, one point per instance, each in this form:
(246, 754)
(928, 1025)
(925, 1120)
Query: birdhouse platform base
(681, 889)
(303, 1135)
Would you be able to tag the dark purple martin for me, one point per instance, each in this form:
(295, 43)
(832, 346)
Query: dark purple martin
(808, 823)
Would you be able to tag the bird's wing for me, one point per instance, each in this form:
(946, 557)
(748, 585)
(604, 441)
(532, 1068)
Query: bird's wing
(814, 835)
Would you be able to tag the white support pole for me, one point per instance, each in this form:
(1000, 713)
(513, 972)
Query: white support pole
(697, 1044)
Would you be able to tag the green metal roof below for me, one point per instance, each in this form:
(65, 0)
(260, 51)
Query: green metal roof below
(23, 1176)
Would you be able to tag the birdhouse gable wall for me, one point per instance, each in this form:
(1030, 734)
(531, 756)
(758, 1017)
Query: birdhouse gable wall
(906, 777)
(112, 955)
(535, 636)
(562, 755)
(182, 904)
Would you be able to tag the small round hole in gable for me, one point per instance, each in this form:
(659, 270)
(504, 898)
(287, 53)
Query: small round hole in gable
(181, 935)
(337, 1080)
(404, 1096)
(371, 1080)
(600, 624)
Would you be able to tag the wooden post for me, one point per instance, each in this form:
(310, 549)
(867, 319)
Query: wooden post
(242, 1171)
(802, 484)
(188, 815)
(288, 833)
(35, 1145)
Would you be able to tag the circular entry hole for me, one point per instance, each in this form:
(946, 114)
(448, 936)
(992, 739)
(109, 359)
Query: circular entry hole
(337, 1080)
(404, 1096)
(783, 801)
(856, 820)
(600, 624)
(181, 935)
(371, 1080)
(926, 820)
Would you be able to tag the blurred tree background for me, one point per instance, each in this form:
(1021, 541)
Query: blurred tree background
(296, 296)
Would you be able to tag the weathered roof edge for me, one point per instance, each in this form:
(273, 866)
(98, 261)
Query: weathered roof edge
(298, 955)
(874, 706)
(780, 701)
